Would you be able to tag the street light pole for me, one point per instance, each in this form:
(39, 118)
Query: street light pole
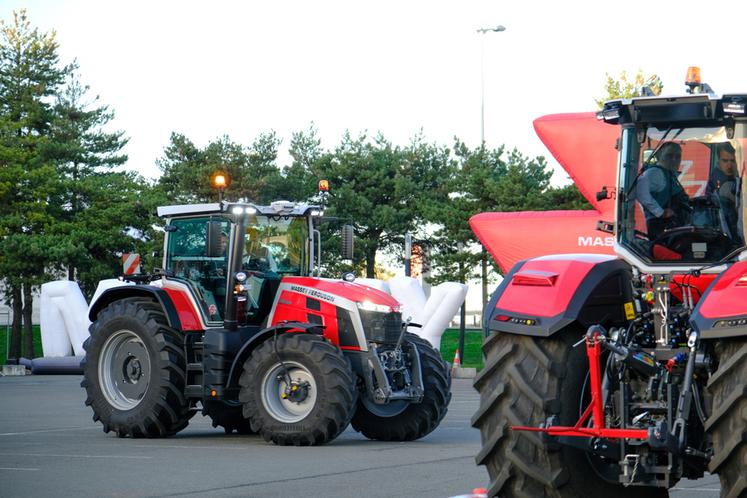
(483, 256)
(482, 31)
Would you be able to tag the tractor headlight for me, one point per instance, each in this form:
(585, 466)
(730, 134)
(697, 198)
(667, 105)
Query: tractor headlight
(378, 308)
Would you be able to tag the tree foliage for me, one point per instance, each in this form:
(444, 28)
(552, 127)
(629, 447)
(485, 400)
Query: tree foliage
(623, 87)
(484, 180)
(62, 205)
(30, 74)
(380, 187)
(187, 169)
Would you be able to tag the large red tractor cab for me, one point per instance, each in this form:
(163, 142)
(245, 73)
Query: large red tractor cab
(236, 325)
(621, 375)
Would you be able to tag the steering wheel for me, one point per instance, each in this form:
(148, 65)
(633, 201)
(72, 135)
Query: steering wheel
(682, 239)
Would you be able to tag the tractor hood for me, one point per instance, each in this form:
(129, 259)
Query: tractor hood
(349, 290)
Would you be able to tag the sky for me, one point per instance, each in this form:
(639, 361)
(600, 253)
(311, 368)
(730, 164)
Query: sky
(207, 69)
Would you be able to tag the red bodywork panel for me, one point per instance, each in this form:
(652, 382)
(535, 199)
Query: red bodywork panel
(728, 296)
(511, 237)
(564, 273)
(585, 148)
(292, 306)
(347, 290)
(329, 300)
(188, 315)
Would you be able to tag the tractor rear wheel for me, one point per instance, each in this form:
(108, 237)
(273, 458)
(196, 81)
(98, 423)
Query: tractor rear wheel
(525, 381)
(727, 422)
(402, 420)
(227, 414)
(133, 371)
(297, 389)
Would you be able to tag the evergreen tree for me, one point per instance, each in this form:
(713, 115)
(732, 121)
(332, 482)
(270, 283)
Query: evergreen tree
(367, 180)
(84, 155)
(252, 172)
(30, 75)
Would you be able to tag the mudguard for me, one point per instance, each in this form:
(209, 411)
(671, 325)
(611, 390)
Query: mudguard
(541, 296)
(127, 291)
(722, 311)
(261, 336)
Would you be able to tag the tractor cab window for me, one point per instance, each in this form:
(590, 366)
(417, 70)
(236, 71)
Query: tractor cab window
(682, 196)
(274, 246)
(197, 254)
(277, 245)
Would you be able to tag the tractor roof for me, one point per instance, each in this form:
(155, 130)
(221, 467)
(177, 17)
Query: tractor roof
(691, 110)
(277, 208)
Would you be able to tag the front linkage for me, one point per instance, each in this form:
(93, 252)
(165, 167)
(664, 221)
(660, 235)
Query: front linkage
(631, 443)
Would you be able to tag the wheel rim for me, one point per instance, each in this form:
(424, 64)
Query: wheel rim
(390, 409)
(274, 386)
(124, 370)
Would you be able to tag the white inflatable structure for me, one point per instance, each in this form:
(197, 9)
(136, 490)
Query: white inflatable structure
(410, 295)
(64, 316)
(443, 303)
(433, 313)
(63, 319)
(374, 283)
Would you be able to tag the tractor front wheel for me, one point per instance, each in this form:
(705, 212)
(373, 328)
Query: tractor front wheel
(402, 420)
(525, 381)
(297, 389)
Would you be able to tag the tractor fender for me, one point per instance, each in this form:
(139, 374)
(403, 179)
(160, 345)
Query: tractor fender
(129, 291)
(722, 310)
(541, 296)
(260, 337)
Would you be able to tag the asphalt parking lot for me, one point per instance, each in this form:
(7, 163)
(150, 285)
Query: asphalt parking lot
(49, 447)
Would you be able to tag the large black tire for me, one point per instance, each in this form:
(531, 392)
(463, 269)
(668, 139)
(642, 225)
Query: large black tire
(727, 423)
(526, 380)
(315, 418)
(134, 371)
(228, 415)
(403, 421)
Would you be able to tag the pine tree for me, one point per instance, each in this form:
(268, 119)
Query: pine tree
(30, 75)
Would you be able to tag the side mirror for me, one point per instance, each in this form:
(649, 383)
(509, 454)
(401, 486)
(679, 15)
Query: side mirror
(603, 194)
(347, 242)
(214, 246)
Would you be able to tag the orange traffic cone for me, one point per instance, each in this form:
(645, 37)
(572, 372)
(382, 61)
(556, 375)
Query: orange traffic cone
(457, 363)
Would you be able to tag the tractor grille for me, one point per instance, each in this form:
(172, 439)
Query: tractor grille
(381, 327)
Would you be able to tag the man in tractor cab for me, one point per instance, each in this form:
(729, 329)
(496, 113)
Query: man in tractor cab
(664, 201)
(723, 184)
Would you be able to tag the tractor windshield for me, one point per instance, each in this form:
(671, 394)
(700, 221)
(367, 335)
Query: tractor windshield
(681, 200)
(276, 245)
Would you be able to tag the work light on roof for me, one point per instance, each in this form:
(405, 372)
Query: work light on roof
(734, 106)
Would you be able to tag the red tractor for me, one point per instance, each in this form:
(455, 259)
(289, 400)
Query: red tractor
(617, 376)
(235, 324)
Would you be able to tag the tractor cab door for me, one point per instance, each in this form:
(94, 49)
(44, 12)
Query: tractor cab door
(197, 254)
(274, 247)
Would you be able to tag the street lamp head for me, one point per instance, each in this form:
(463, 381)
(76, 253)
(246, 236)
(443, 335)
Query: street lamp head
(497, 29)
